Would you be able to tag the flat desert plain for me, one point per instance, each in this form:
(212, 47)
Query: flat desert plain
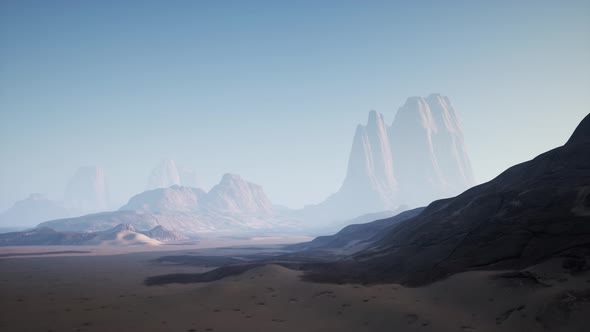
(104, 290)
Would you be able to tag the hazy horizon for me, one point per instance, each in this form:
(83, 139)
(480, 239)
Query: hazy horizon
(273, 92)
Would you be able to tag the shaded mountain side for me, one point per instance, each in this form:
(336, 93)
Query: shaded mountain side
(354, 237)
(44, 236)
(162, 234)
(103, 221)
(527, 214)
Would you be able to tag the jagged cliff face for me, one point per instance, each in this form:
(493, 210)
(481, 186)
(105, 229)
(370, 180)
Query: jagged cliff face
(429, 151)
(370, 182)
(419, 158)
(87, 190)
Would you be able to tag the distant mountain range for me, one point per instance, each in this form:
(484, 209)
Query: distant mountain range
(420, 157)
(232, 205)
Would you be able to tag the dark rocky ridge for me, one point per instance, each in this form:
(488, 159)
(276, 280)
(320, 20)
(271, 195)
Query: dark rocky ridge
(529, 213)
(354, 237)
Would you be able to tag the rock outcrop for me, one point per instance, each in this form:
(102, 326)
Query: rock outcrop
(419, 158)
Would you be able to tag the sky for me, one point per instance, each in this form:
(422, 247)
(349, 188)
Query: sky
(273, 90)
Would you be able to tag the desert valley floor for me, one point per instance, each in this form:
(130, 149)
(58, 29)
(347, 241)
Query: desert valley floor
(104, 290)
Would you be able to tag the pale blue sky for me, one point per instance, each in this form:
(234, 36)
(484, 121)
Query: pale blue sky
(273, 90)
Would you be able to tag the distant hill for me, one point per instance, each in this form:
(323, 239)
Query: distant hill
(120, 235)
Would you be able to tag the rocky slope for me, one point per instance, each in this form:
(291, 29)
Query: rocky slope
(235, 196)
(529, 213)
(175, 198)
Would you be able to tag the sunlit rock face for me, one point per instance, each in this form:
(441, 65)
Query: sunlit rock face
(428, 150)
(421, 157)
(87, 191)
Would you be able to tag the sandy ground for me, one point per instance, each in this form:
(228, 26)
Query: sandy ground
(106, 293)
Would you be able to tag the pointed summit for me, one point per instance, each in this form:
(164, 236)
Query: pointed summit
(370, 184)
(370, 165)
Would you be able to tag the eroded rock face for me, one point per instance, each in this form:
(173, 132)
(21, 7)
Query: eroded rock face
(428, 150)
(421, 157)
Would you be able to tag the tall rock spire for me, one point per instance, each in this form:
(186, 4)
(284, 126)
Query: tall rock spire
(420, 158)
(370, 165)
(428, 146)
